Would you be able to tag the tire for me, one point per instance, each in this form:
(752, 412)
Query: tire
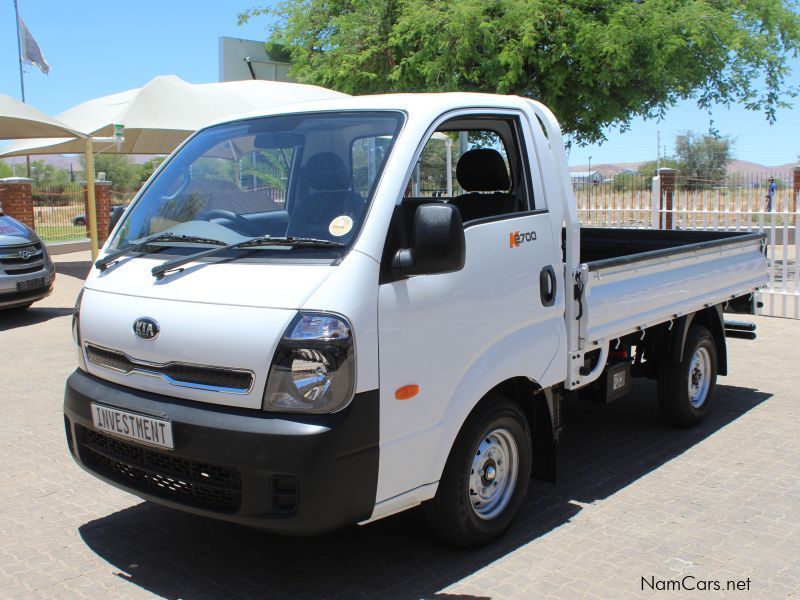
(499, 433)
(685, 389)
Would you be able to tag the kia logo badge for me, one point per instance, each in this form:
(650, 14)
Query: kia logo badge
(146, 328)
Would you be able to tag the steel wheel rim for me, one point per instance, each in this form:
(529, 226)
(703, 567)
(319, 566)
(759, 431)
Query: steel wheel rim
(699, 377)
(493, 474)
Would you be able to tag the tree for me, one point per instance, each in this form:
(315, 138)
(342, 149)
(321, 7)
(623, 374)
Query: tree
(5, 170)
(47, 175)
(702, 159)
(596, 64)
(146, 169)
(119, 169)
(649, 167)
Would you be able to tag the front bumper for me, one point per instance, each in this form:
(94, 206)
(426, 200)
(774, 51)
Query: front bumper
(10, 297)
(290, 474)
(13, 299)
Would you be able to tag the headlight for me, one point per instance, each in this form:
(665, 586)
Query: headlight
(76, 329)
(313, 370)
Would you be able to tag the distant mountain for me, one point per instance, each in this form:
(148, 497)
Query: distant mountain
(742, 167)
(63, 161)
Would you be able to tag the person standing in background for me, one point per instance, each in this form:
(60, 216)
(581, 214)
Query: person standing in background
(771, 193)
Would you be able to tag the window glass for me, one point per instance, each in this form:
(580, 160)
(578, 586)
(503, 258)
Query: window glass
(365, 157)
(297, 176)
(267, 172)
(474, 164)
(441, 155)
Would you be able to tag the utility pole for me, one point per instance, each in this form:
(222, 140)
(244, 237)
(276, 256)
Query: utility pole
(21, 75)
(658, 151)
(590, 182)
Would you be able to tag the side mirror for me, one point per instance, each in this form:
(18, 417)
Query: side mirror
(438, 246)
(116, 215)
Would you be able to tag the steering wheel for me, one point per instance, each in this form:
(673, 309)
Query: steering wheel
(239, 221)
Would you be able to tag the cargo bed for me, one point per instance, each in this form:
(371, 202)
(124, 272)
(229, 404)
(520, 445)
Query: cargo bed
(635, 278)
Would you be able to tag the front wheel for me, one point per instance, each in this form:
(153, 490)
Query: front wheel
(685, 389)
(485, 478)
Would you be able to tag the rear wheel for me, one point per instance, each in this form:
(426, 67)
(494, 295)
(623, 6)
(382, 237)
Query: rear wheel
(685, 389)
(485, 478)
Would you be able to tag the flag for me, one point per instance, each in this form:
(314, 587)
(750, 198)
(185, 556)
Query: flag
(30, 54)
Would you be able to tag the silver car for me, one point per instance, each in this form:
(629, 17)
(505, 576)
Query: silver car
(27, 272)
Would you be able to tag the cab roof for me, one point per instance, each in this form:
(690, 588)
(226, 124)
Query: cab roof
(409, 103)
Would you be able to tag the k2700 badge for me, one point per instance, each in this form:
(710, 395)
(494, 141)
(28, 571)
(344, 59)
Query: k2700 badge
(516, 238)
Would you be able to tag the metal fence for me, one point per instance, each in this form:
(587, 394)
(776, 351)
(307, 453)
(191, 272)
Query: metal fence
(741, 206)
(59, 212)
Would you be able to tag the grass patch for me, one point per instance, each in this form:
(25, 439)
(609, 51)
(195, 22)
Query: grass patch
(61, 233)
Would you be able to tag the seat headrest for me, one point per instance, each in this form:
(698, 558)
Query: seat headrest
(482, 170)
(325, 172)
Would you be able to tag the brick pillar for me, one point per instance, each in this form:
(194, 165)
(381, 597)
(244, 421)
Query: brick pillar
(16, 199)
(667, 178)
(796, 178)
(102, 201)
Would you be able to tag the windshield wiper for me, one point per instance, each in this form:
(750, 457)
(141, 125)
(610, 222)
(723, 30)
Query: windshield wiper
(172, 265)
(110, 259)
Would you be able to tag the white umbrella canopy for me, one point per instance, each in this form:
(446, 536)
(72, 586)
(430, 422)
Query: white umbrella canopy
(20, 121)
(160, 115)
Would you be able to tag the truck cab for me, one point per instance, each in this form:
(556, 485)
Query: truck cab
(339, 310)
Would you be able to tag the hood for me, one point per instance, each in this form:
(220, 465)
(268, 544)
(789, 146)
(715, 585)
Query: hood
(14, 233)
(236, 283)
(199, 352)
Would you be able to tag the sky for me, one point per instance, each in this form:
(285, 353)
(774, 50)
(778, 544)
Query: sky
(97, 47)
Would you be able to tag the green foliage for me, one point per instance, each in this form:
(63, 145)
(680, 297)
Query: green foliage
(702, 159)
(214, 169)
(47, 175)
(120, 170)
(648, 168)
(125, 175)
(13, 170)
(626, 182)
(596, 64)
(266, 168)
(146, 169)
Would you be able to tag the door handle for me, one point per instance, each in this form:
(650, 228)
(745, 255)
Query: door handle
(547, 285)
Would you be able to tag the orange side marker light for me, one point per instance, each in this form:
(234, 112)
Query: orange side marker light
(406, 392)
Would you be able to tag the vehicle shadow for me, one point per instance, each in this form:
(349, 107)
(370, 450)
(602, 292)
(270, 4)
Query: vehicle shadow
(603, 450)
(13, 318)
(77, 268)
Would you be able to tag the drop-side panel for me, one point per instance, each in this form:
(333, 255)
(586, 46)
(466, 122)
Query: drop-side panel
(623, 295)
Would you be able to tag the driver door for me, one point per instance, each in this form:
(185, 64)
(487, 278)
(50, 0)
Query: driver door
(457, 335)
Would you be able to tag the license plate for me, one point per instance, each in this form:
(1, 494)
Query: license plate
(148, 430)
(30, 284)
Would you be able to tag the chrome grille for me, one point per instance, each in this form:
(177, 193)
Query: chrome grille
(20, 255)
(216, 379)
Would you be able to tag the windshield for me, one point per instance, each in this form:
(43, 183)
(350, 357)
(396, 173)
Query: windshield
(307, 176)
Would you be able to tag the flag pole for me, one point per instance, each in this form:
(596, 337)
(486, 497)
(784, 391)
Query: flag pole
(21, 75)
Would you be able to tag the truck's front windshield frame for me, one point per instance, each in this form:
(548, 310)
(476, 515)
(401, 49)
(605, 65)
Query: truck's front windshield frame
(286, 176)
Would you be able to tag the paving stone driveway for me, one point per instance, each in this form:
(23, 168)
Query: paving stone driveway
(638, 506)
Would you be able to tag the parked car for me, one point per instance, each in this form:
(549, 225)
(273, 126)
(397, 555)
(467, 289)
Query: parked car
(361, 348)
(27, 272)
(81, 218)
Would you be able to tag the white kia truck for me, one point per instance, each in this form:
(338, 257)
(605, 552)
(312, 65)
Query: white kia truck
(339, 310)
